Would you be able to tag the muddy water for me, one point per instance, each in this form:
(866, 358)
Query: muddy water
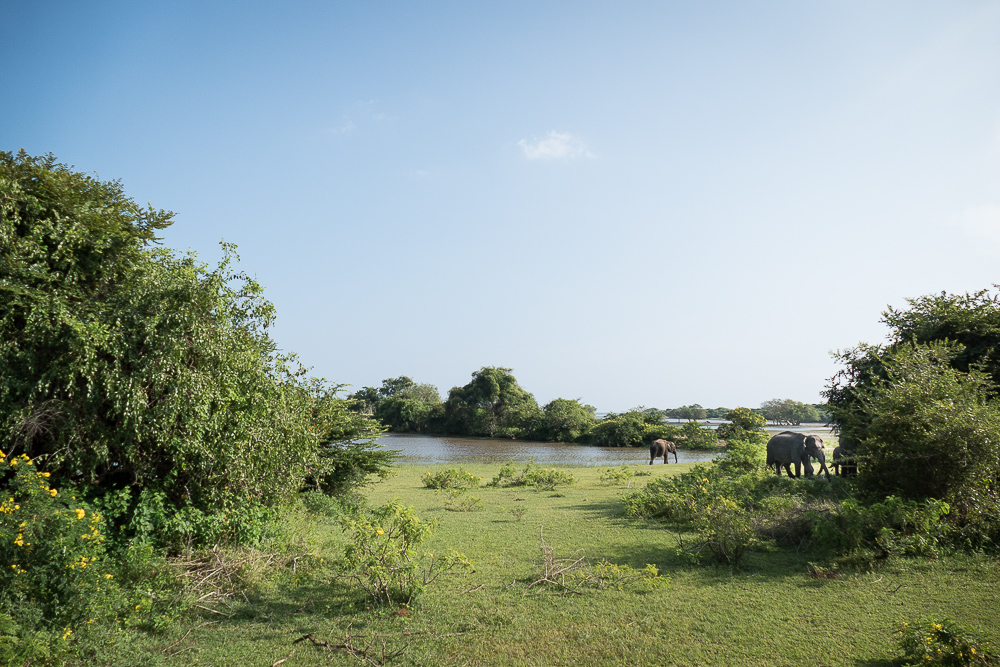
(435, 450)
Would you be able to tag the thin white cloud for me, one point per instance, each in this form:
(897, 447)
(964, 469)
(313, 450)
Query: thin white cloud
(555, 146)
(345, 127)
(983, 225)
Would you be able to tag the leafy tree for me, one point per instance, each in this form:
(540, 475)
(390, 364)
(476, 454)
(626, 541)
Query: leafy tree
(689, 412)
(716, 413)
(972, 320)
(365, 400)
(918, 411)
(619, 430)
(566, 420)
(787, 411)
(414, 408)
(395, 386)
(744, 424)
(492, 404)
(934, 432)
(695, 437)
(630, 429)
(127, 369)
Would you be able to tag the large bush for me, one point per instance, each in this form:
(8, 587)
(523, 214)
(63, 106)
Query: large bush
(920, 412)
(131, 371)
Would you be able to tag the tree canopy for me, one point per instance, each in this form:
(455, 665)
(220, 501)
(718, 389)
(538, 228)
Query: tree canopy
(789, 412)
(920, 412)
(492, 404)
(126, 368)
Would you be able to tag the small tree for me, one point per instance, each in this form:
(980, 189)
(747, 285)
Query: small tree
(744, 424)
(934, 432)
(492, 404)
(566, 420)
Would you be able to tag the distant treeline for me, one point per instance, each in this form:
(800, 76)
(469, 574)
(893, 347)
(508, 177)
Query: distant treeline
(494, 405)
(776, 411)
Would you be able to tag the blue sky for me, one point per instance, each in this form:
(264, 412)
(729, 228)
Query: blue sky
(632, 204)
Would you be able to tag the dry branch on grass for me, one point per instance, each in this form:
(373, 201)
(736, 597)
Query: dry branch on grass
(555, 570)
(571, 575)
(372, 649)
(215, 577)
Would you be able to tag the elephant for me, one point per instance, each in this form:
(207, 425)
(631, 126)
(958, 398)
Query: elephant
(843, 461)
(662, 448)
(789, 447)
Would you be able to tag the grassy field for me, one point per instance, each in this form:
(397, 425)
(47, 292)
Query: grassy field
(769, 613)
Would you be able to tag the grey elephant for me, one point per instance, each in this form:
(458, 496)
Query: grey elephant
(843, 461)
(789, 447)
(662, 448)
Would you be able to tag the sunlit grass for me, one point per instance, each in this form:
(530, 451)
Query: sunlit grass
(770, 613)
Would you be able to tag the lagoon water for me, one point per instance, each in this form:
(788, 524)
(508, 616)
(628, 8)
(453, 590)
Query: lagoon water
(436, 450)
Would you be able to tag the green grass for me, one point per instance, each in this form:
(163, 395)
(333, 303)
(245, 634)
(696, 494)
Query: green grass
(769, 613)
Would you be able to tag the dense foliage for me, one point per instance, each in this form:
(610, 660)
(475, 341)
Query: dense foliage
(743, 424)
(920, 413)
(492, 404)
(144, 379)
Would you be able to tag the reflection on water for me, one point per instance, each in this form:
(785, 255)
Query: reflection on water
(434, 450)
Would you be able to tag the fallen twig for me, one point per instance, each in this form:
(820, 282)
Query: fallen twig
(472, 590)
(167, 648)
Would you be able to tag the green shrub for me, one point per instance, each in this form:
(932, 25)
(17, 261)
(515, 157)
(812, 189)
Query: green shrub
(621, 475)
(726, 529)
(693, 436)
(927, 642)
(545, 479)
(460, 501)
(605, 575)
(746, 455)
(744, 424)
(317, 502)
(451, 478)
(382, 557)
(892, 527)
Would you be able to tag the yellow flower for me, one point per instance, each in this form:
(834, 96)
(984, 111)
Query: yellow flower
(107, 576)
(53, 492)
(80, 513)
(67, 633)
(380, 532)
(18, 540)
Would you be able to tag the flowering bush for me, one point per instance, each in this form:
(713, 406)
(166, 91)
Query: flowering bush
(946, 643)
(51, 549)
(383, 558)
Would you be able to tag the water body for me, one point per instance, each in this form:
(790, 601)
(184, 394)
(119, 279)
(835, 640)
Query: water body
(436, 450)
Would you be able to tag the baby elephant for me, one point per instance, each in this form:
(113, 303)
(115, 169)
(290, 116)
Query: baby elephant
(662, 448)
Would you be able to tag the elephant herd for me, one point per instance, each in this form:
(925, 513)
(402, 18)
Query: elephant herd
(784, 450)
(789, 448)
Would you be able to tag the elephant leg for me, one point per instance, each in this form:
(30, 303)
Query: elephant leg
(675, 456)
